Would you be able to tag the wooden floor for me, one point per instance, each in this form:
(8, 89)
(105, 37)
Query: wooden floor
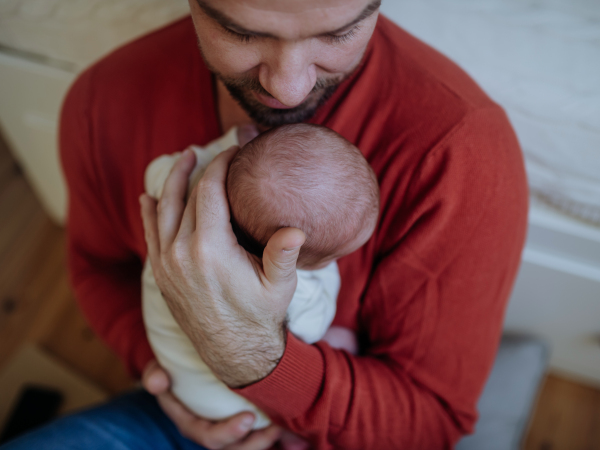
(36, 305)
(567, 417)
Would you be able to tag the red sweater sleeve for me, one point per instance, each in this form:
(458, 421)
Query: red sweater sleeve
(432, 313)
(105, 274)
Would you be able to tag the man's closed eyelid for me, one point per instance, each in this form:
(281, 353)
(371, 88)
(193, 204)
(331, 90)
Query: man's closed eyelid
(244, 37)
(342, 37)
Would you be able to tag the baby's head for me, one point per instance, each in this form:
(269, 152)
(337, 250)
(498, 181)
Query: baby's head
(307, 177)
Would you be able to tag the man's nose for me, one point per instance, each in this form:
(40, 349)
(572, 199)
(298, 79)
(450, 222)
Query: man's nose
(288, 74)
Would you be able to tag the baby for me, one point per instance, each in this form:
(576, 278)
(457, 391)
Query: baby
(303, 176)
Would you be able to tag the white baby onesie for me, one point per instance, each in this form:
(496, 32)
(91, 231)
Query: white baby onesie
(309, 314)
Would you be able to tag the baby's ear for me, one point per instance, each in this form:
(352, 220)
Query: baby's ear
(247, 132)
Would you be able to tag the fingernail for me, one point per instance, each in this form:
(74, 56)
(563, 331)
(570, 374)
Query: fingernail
(246, 423)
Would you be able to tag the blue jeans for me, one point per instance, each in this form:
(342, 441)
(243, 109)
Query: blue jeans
(133, 421)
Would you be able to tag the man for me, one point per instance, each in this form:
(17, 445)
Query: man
(426, 294)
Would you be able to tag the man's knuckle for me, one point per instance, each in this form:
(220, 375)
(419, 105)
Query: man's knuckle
(201, 252)
(180, 251)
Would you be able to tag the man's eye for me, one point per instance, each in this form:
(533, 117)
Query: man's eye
(240, 36)
(342, 38)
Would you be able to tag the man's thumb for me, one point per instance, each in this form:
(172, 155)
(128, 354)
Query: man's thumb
(281, 253)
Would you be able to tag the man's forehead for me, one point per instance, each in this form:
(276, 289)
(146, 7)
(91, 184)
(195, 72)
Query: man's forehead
(305, 17)
(290, 6)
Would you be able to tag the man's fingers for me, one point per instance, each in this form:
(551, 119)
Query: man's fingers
(155, 379)
(213, 435)
(148, 209)
(188, 424)
(259, 439)
(188, 221)
(221, 435)
(212, 207)
(172, 201)
(179, 414)
(281, 253)
(195, 428)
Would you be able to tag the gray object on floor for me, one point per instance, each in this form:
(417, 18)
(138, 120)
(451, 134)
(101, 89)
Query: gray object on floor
(509, 395)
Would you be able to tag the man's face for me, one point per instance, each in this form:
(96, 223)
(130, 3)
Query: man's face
(281, 59)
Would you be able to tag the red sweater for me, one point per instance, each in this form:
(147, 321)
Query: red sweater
(426, 294)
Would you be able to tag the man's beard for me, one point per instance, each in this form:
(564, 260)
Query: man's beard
(242, 90)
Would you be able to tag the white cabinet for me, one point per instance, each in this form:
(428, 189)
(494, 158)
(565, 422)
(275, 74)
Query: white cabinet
(557, 293)
(31, 95)
(43, 45)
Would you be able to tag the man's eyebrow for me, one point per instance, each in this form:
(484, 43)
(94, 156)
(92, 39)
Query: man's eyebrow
(369, 9)
(227, 22)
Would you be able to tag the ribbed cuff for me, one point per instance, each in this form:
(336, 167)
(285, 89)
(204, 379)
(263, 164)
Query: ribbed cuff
(293, 386)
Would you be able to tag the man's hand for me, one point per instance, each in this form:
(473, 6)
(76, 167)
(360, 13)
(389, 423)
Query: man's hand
(231, 304)
(231, 434)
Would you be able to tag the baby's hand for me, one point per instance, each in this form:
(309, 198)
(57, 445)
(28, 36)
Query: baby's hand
(342, 338)
(247, 132)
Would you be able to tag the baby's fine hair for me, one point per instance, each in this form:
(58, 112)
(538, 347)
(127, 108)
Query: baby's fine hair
(303, 176)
